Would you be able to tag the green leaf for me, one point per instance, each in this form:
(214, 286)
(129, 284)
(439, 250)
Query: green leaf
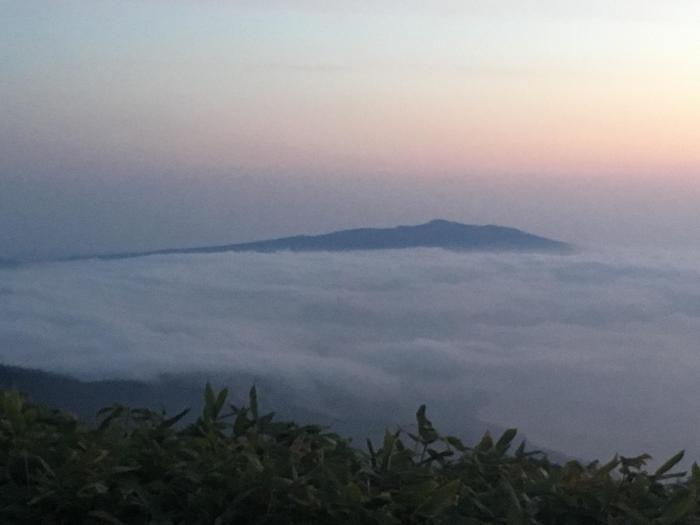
(606, 469)
(505, 440)
(353, 492)
(456, 443)
(113, 413)
(425, 427)
(167, 423)
(486, 443)
(254, 461)
(241, 423)
(388, 450)
(253, 401)
(679, 509)
(637, 517)
(695, 476)
(45, 466)
(219, 403)
(440, 500)
(209, 401)
(514, 500)
(124, 469)
(372, 453)
(669, 464)
(636, 462)
(105, 516)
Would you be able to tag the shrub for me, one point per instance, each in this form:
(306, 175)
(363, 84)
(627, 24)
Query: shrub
(234, 465)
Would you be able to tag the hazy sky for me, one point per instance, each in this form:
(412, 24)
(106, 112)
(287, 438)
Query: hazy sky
(142, 124)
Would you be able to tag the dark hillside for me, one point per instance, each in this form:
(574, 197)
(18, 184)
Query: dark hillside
(434, 234)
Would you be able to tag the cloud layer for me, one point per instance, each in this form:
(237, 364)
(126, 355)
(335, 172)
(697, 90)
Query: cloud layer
(589, 354)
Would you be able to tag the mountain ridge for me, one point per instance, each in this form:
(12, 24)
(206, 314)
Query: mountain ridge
(437, 233)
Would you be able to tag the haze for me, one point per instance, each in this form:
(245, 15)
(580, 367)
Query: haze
(138, 125)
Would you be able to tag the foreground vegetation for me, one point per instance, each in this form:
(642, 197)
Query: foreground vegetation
(234, 465)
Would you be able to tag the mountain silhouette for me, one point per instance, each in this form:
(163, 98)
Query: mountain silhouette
(437, 233)
(8, 263)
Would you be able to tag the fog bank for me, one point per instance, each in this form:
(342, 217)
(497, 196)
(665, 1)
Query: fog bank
(590, 354)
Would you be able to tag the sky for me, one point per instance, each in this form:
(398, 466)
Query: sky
(147, 124)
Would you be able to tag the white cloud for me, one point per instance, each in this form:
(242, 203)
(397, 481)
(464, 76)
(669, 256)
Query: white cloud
(589, 354)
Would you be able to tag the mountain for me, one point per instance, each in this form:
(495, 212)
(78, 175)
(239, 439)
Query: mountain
(434, 234)
(438, 233)
(173, 393)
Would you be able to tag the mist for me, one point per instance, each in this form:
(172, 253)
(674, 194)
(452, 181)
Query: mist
(590, 353)
(51, 215)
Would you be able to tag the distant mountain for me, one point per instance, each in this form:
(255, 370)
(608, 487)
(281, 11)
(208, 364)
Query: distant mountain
(434, 234)
(8, 263)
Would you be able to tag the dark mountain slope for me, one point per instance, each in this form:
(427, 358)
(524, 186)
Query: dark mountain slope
(434, 234)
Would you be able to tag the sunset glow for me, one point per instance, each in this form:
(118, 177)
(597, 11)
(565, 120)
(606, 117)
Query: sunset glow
(218, 84)
(198, 97)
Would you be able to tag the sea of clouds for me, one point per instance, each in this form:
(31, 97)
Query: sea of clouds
(592, 353)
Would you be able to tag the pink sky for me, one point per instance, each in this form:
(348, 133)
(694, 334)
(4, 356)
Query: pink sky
(511, 94)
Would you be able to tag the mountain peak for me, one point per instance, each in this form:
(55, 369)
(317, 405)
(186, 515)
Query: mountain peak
(439, 222)
(437, 233)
